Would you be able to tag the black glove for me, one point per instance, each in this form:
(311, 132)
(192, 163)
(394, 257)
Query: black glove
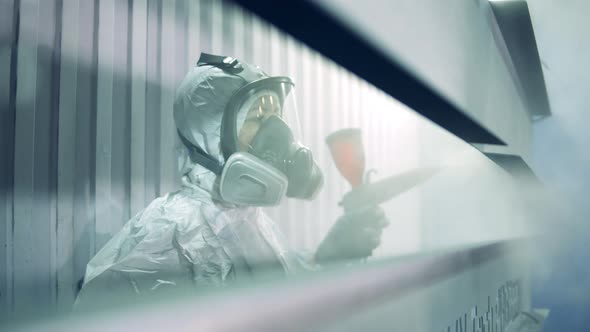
(354, 236)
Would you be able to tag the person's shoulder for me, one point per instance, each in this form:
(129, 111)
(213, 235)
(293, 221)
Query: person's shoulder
(175, 207)
(176, 199)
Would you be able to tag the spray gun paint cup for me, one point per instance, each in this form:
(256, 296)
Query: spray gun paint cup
(347, 151)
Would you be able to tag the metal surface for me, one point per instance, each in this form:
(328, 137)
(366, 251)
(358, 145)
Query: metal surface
(514, 21)
(514, 165)
(8, 40)
(35, 153)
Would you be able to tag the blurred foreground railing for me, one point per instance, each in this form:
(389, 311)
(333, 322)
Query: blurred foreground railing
(472, 289)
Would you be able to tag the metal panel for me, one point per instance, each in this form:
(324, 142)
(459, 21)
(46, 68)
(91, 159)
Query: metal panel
(205, 30)
(228, 24)
(181, 62)
(45, 174)
(516, 166)
(167, 74)
(514, 21)
(66, 160)
(260, 43)
(216, 27)
(24, 255)
(34, 209)
(138, 103)
(84, 172)
(7, 117)
(104, 118)
(193, 34)
(238, 32)
(319, 70)
(307, 90)
(152, 100)
(121, 118)
(181, 65)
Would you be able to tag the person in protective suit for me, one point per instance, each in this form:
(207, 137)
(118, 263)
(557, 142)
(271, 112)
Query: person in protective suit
(237, 154)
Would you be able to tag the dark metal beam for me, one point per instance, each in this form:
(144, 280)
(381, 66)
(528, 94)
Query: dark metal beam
(514, 21)
(514, 165)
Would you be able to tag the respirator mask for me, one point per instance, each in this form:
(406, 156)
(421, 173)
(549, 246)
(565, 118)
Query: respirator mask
(260, 141)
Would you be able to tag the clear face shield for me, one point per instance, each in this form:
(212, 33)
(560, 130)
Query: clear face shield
(260, 106)
(262, 121)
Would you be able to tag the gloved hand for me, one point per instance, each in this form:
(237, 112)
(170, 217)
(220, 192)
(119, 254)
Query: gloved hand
(354, 236)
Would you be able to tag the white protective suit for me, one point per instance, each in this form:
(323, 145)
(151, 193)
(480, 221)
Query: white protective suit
(190, 237)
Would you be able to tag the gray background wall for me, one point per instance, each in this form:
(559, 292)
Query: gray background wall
(562, 160)
(88, 138)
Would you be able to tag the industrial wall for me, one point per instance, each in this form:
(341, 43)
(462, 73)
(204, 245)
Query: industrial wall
(456, 48)
(88, 136)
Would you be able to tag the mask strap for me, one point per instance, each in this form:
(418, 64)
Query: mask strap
(201, 157)
(230, 65)
(224, 62)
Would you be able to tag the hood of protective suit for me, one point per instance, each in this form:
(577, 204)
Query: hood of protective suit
(186, 238)
(199, 105)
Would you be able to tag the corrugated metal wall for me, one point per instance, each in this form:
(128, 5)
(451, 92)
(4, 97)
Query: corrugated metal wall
(87, 133)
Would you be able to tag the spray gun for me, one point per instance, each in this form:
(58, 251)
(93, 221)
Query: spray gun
(348, 154)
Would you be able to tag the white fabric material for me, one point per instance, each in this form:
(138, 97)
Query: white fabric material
(199, 104)
(191, 237)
